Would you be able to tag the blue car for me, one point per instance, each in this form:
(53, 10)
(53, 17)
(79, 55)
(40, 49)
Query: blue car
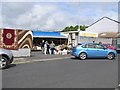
(93, 50)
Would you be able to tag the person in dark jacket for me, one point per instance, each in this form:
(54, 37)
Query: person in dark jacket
(48, 48)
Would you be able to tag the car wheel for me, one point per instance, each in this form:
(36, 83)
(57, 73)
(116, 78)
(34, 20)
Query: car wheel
(3, 62)
(83, 56)
(111, 56)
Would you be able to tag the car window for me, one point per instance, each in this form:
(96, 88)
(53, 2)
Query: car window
(83, 46)
(99, 46)
(90, 46)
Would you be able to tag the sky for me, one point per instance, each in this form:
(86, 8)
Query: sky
(54, 16)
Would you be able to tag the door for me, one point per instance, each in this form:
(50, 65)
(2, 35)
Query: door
(91, 50)
(101, 51)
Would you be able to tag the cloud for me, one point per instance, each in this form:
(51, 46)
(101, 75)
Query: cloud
(37, 17)
(60, 0)
(54, 16)
(43, 16)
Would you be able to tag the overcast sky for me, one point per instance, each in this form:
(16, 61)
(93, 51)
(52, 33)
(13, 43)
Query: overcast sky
(54, 16)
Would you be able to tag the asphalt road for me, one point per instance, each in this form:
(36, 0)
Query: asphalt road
(62, 73)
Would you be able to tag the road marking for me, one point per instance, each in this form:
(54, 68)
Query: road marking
(50, 59)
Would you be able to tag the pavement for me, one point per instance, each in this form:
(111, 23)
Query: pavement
(39, 56)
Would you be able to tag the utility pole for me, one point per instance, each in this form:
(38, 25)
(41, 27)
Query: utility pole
(78, 34)
(78, 27)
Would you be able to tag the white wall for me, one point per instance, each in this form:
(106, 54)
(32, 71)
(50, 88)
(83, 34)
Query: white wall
(97, 40)
(23, 52)
(104, 25)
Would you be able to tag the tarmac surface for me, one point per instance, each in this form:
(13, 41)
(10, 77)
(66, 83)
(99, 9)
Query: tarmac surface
(60, 71)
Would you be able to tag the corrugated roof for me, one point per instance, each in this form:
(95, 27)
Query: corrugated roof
(43, 34)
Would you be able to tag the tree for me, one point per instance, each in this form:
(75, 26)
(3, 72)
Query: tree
(74, 28)
(66, 29)
(82, 27)
(71, 28)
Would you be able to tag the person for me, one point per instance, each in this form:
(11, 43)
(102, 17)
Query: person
(100, 43)
(52, 45)
(45, 48)
(63, 46)
(69, 45)
(48, 48)
(93, 41)
(42, 45)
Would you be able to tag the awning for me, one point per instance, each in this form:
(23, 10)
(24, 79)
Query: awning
(42, 34)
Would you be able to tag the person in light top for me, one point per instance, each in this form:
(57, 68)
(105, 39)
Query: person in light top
(52, 47)
(45, 48)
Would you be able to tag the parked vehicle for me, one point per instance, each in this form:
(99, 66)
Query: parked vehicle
(110, 46)
(93, 50)
(6, 58)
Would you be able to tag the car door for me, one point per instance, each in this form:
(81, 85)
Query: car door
(91, 50)
(101, 51)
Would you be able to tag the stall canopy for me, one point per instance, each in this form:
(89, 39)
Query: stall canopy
(43, 34)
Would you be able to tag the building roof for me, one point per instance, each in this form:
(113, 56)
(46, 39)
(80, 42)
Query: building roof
(109, 35)
(103, 18)
(105, 27)
(44, 34)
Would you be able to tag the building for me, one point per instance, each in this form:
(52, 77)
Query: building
(107, 28)
(104, 30)
(77, 37)
(56, 37)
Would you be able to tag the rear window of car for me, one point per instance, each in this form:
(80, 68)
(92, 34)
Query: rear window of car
(83, 46)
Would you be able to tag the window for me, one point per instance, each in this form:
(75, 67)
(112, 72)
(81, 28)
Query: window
(90, 46)
(99, 46)
(83, 46)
